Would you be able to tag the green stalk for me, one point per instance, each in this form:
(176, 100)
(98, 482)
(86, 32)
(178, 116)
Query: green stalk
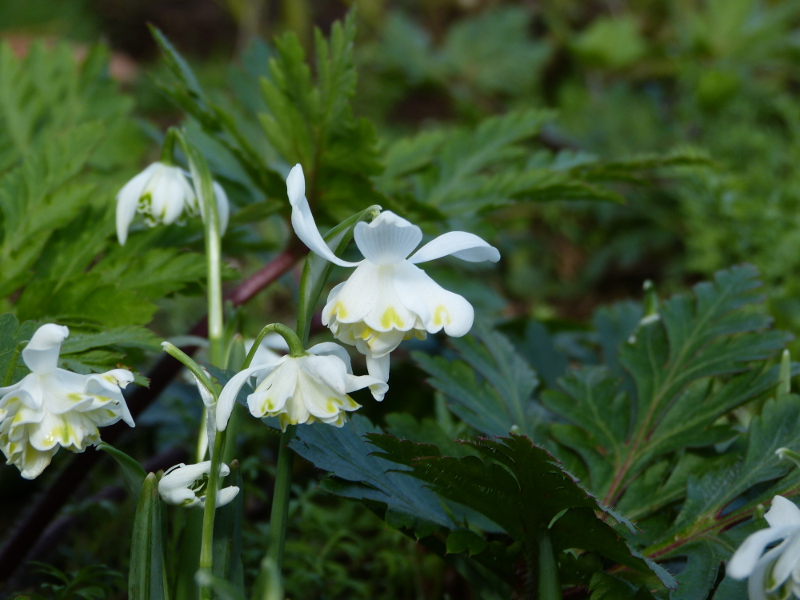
(295, 345)
(549, 585)
(280, 500)
(207, 540)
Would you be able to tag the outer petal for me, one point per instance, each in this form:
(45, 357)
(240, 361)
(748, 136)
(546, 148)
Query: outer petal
(128, 201)
(463, 245)
(378, 367)
(744, 560)
(389, 239)
(226, 495)
(436, 307)
(787, 562)
(303, 221)
(352, 300)
(329, 371)
(375, 385)
(782, 513)
(41, 353)
(756, 586)
(332, 349)
(227, 396)
(223, 209)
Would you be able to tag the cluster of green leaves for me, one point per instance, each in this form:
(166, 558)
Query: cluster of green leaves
(94, 582)
(68, 145)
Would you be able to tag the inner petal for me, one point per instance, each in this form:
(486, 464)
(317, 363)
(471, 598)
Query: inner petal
(389, 239)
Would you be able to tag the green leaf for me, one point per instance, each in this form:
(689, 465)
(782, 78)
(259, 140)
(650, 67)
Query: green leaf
(520, 487)
(228, 536)
(607, 587)
(132, 471)
(497, 402)
(12, 336)
(463, 540)
(146, 580)
(317, 269)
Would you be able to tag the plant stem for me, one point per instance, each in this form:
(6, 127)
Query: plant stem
(280, 499)
(549, 585)
(207, 541)
(12, 364)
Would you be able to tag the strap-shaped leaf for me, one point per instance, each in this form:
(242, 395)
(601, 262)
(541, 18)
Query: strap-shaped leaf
(132, 471)
(146, 580)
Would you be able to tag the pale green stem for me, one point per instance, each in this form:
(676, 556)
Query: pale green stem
(207, 540)
(295, 345)
(549, 585)
(280, 499)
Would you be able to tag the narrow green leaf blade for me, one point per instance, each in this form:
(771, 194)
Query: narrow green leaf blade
(146, 577)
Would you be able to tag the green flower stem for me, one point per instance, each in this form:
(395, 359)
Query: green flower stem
(207, 540)
(549, 585)
(168, 147)
(187, 362)
(295, 345)
(280, 499)
(12, 365)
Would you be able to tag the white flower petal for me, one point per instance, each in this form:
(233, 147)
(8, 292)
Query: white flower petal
(332, 349)
(463, 245)
(128, 201)
(378, 367)
(226, 495)
(41, 353)
(303, 221)
(787, 561)
(436, 307)
(329, 371)
(782, 513)
(744, 560)
(376, 386)
(173, 190)
(275, 390)
(352, 300)
(32, 462)
(757, 584)
(227, 396)
(223, 208)
(388, 239)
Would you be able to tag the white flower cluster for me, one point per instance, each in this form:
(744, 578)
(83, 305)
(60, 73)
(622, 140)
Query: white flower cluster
(53, 408)
(386, 300)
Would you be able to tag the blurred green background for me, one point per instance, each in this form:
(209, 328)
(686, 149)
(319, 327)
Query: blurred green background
(721, 76)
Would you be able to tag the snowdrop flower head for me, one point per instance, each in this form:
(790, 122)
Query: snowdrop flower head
(185, 485)
(163, 194)
(300, 389)
(53, 408)
(388, 298)
(775, 573)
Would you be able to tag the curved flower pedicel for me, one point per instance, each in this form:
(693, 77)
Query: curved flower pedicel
(775, 573)
(52, 408)
(185, 485)
(301, 389)
(388, 298)
(163, 194)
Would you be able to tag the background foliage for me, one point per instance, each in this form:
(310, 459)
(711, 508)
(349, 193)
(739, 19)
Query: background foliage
(597, 144)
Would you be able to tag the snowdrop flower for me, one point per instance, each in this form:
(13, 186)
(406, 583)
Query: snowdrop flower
(185, 485)
(388, 298)
(52, 408)
(301, 389)
(776, 573)
(163, 194)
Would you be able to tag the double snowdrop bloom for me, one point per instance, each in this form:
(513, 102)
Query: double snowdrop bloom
(185, 485)
(775, 573)
(301, 389)
(163, 194)
(52, 408)
(388, 298)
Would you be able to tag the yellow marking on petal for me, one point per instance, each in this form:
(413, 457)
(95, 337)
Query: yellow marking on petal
(332, 405)
(390, 317)
(110, 413)
(75, 397)
(366, 332)
(441, 316)
(339, 311)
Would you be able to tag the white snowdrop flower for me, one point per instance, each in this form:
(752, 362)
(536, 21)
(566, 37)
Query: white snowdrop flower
(775, 573)
(163, 194)
(52, 408)
(301, 389)
(388, 298)
(185, 485)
